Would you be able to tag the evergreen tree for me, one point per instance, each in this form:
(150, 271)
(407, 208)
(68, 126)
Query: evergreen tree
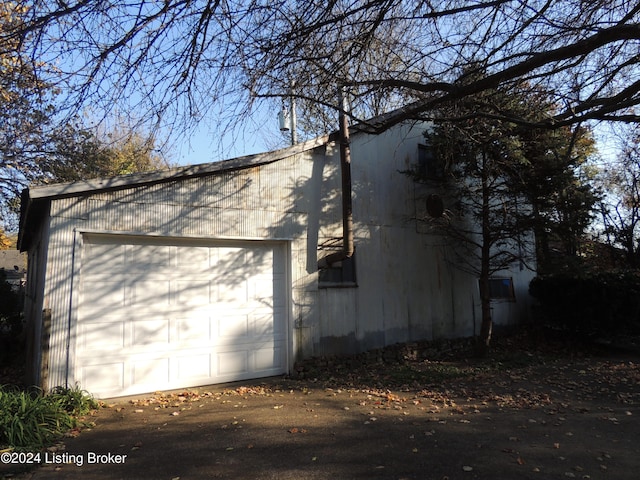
(505, 180)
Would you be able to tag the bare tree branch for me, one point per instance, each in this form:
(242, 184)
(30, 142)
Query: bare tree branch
(178, 61)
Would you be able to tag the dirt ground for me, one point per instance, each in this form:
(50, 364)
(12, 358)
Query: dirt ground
(523, 415)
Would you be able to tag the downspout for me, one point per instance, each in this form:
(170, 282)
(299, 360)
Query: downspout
(345, 172)
(70, 316)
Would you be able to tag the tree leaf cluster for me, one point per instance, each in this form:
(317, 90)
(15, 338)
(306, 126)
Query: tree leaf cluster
(26, 108)
(535, 178)
(32, 422)
(80, 154)
(596, 303)
(510, 188)
(37, 144)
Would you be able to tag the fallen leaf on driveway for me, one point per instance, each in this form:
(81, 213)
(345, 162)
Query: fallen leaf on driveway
(297, 430)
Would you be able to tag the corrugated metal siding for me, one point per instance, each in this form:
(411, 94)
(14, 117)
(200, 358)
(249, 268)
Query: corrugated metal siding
(257, 203)
(61, 272)
(34, 303)
(248, 203)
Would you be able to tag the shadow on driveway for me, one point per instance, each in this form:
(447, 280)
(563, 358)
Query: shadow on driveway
(561, 420)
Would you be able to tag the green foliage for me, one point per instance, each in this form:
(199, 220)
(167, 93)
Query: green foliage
(74, 401)
(26, 109)
(32, 421)
(600, 303)
(558, 186)
(29, 421)
(33, 147)
(507, 183)
(81, 154)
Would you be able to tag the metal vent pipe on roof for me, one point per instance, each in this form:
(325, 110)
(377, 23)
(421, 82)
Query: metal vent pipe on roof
(345, 170)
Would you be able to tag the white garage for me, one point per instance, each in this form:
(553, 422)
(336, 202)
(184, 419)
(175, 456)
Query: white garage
(158, 313)
(215, 273)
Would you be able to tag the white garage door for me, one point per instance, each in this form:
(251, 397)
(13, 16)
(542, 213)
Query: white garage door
(158, 314)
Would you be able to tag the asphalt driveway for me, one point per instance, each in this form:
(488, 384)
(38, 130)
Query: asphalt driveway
(554, 418)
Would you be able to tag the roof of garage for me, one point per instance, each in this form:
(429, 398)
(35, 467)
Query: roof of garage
(373, 126)
(72, 189)
(35, 200)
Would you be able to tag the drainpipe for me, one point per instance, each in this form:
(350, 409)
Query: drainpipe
(294, 122)
(70, 316)
(345, 171)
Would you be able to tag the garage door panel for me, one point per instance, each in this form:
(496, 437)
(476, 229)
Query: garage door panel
(193, 330)
(232, 290)
(103, 258)
(228, 260)
(263, 325)
(179, 315)
(271, 325)
(106, 377)
(150, 292)
(194, 260)
(260, 259)
(150, 332)
(193, 366)
(261, 289)
(269, 358)
(193, 293)
(232, 328)
(107, 334)
(232, 363)
(100, 295)
(143, 257)
(153, 371)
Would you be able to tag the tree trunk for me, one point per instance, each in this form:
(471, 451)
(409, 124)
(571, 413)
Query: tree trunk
(486, 326)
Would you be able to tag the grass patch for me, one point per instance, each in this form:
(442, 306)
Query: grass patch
(31, 421)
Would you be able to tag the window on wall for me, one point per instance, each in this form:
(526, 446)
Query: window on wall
(429, 166)
(339, 274)
(501, 289)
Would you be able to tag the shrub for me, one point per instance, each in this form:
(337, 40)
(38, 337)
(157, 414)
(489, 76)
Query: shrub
(74, 401)
(30, 422)
(605, 303)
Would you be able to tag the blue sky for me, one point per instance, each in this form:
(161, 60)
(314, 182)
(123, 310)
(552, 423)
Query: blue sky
(259, 133)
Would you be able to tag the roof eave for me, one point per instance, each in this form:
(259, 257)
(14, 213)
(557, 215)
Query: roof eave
(71, 189)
